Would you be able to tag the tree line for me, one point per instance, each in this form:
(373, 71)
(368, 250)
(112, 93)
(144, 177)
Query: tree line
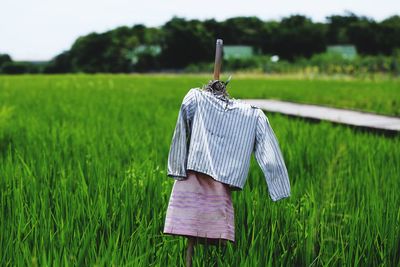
(186, 42)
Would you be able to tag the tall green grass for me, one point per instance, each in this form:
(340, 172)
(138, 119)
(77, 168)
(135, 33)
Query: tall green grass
(83, 176)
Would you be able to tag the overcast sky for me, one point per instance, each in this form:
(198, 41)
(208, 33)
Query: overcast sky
(41, 29)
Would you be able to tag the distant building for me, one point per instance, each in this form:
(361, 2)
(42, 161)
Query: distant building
(346, 51)
(238, 51)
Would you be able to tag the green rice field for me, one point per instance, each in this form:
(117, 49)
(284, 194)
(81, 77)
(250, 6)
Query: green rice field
(83, 179)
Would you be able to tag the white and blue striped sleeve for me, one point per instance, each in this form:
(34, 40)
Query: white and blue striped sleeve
(178, 153)
(269, 157)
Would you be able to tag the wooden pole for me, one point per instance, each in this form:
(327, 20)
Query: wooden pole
(218, 59)
(189, 251)
(217, 71)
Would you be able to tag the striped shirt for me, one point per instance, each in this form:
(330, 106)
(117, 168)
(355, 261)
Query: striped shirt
(217, 138)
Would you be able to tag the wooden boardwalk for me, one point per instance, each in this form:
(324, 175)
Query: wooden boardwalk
(343, 116)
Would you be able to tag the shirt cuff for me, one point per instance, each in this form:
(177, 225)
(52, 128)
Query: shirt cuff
(281, 197)
(177, 176)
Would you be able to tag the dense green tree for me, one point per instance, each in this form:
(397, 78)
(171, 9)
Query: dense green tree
(4, 58)
(337, 26)
(268, 38)
(298, 36)
(389, 35)
(105, 52)
(147, 36)
(60, 64)
(213, 27)
(12, 67)
(185, 42)
(242, 31)
(364, 35)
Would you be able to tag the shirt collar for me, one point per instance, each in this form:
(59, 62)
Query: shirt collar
(222, 101)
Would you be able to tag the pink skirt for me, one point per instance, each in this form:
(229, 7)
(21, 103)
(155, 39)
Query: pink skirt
(201, 207)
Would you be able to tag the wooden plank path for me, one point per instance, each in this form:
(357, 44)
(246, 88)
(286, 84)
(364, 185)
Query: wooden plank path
(343, 116)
